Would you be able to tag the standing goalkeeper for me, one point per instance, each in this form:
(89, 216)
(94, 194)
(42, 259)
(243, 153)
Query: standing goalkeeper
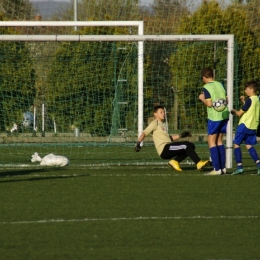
(165, 145)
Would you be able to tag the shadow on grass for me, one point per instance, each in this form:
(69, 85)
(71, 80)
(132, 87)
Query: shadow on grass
(21, 173)
(25, 171)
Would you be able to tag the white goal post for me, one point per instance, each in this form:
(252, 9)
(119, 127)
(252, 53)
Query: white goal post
(140, 38)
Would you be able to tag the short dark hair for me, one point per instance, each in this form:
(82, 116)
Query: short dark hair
(156, 108)
(207, 73)
(252, 84)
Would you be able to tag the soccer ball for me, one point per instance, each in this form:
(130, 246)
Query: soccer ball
(220, 104)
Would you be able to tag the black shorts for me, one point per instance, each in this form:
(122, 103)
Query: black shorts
(172, 150)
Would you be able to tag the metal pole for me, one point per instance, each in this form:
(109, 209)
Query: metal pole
(43, 131)
(81, 38)
(140, 81)
(69, 23)
(230, 72)
(75, 13)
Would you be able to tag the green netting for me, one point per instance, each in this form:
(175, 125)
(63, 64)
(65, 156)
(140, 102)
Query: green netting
(89, 89)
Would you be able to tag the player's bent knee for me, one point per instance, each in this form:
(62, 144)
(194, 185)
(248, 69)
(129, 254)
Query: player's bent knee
(190, 145)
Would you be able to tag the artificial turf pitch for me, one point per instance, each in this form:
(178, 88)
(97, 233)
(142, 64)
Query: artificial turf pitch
(129, 213)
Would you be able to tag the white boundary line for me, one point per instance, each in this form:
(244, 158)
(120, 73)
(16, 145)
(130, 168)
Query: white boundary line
(172, 174)
(127, 219)
(99, 175)
(136, 164)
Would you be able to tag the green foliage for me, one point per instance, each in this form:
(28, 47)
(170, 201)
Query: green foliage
(100, 10)
(173, 6)
(190, 58)
(16, 9)
(83, 83)
(17, 80)
(157, 76)
(157, 73)
(247, 49)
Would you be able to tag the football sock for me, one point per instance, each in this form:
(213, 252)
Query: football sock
(222, 156)
(214, 154)
(238, 157)
(254, 155)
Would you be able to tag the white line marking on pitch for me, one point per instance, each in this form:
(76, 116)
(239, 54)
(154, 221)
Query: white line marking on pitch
(173, 174)
(101, 175)
(123, 219)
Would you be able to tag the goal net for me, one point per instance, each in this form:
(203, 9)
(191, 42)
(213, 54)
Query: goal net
(89, 93)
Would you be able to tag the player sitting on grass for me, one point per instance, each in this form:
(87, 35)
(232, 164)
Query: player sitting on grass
(247, 126)
(165, 145)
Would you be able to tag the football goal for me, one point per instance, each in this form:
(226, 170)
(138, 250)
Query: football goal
(88, 94)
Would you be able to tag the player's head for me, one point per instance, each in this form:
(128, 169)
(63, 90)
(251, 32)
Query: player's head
(207, 73)
(251, 85)
(156, 108)
(159, 113)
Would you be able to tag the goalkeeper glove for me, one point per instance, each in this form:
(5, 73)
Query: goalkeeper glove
(138, 147)
(185, 134)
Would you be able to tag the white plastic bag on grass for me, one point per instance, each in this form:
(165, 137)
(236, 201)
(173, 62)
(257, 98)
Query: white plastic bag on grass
(51, 160)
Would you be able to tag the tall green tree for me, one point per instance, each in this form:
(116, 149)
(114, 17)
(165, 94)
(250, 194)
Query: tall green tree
(16, 9)
(17, 80)
(164, 19)
(85, 84)
(100, 10)
(247, 44)
(170, 9)
(189, 58)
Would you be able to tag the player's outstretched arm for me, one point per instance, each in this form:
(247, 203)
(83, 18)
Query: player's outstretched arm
(185, 134)
(138, 144)
(237, 112)
(181, 135)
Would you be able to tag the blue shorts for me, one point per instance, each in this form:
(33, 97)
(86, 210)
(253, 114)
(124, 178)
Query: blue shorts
(217, 127)
(243, 134)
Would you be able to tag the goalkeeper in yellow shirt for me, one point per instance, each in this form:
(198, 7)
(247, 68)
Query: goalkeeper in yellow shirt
(165, 144)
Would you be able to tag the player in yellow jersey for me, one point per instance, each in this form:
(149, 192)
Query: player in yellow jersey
(165, 144)
(247, 126)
